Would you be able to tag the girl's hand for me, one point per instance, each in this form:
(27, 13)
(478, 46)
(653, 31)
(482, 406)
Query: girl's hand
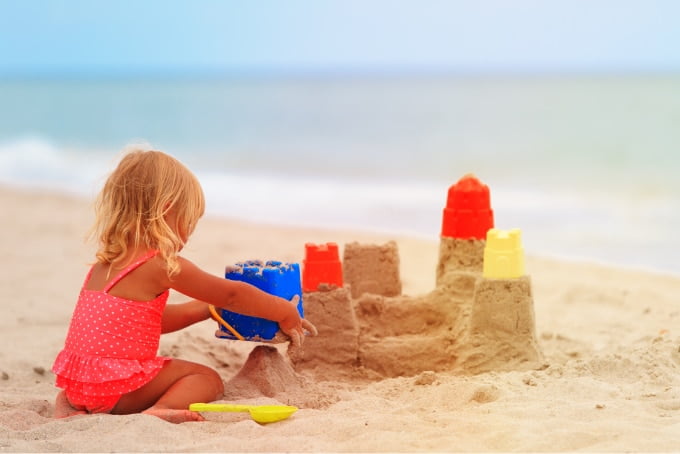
(295, 326)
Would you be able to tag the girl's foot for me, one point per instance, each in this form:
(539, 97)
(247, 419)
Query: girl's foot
(173, 415)
(64, 409)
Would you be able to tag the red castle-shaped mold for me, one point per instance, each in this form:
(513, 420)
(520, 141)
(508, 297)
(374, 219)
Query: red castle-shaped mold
(321, 266)
(468, 213)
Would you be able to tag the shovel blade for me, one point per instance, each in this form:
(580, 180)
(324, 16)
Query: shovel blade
(262, 414)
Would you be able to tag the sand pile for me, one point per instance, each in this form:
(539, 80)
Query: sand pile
(265, 373)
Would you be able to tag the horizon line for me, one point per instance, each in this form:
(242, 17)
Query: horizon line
(261, 73)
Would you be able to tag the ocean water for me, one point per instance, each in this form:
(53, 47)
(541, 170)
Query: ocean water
(586, 167)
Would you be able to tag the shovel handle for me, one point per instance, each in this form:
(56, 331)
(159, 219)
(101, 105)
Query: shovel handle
(218, 407)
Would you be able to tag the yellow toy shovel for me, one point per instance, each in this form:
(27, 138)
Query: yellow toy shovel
(262, 414)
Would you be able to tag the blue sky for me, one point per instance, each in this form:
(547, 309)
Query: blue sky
(194, 36)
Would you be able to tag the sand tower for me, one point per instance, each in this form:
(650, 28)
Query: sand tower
(328, 304)
(481, 278)
(501, 329)
(372, 269)
(465, 220)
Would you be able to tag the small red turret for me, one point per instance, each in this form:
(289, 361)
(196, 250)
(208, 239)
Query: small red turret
(321, 266)
(468, 213)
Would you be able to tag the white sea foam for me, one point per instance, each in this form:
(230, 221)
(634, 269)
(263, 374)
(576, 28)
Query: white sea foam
(36, 163)
(610, 227)
(385, 206)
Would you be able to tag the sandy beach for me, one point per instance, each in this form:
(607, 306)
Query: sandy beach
(608, 379)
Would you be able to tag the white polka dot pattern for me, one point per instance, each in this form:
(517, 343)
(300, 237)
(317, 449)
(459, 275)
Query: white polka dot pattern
(112, 342)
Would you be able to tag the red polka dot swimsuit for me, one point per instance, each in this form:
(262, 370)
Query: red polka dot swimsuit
(111, 346)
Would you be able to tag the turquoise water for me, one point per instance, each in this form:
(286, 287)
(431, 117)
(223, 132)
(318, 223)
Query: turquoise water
(586, 166)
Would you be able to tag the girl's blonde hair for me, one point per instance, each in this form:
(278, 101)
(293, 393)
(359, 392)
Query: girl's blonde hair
(133, 206)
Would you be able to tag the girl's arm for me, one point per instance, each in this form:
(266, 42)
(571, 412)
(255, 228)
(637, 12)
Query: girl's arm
(179, 316)
(240, 297)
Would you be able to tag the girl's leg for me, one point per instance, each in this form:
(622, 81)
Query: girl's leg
(168, 395)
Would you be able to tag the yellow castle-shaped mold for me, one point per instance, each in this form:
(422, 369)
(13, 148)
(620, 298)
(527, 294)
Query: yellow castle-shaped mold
(503, 254)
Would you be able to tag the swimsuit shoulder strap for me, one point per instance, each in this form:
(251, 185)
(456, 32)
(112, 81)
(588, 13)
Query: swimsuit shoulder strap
(128, 269)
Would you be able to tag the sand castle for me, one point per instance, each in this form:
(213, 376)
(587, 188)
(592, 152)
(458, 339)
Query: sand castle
(479, 318)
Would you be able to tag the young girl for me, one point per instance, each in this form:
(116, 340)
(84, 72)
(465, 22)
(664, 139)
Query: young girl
(145, 213)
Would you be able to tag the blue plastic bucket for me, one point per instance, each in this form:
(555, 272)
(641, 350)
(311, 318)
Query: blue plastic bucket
(278, 278)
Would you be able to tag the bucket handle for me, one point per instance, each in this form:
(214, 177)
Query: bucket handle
(223, 322)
